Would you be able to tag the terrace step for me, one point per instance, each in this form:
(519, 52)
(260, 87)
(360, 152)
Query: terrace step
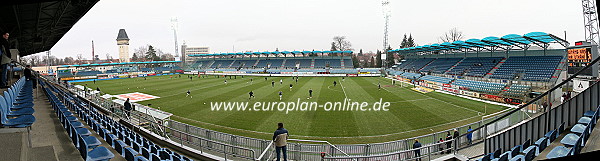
(453, 66)
(283, 63)
(495, 68)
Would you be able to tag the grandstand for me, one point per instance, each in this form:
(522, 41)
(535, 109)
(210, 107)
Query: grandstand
(117, 70)
(276, 62)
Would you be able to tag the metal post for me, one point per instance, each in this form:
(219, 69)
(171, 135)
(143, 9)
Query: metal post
(429, 153)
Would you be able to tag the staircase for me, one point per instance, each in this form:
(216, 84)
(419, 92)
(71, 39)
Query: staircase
(229, 66)
(283, 63)
(426, 65)
(495, 68)
(563, 65)
(453, 66)
(342, 63)
(209, 64)
(255, 64)
(312, 63)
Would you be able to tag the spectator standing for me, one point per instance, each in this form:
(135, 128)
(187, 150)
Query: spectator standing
(280, 139)
(417, 151)
(441, 146)
(28, 72)
(127, 107)
(5, 59)
(456, 138)
(448, 142)
(470, 135)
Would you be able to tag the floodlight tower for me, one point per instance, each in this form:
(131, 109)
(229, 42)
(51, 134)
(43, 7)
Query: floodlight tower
(174, 27)
(590, 21)
(387, 13)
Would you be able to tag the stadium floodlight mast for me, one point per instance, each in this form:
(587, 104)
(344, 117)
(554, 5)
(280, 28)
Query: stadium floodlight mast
(174, 27)
(387, 13)
(590, 21)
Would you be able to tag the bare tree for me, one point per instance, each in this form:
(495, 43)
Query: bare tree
(452, 35)
(167, 57)
(159, 53)
(108, 57)
(34, 60)
(140, 52)
(341, 43)
(79, 58)
(69, 60)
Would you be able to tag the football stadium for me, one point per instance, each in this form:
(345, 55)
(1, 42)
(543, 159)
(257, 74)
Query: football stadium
(520, 94)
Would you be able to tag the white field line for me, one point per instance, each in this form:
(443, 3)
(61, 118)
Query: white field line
(343, 90)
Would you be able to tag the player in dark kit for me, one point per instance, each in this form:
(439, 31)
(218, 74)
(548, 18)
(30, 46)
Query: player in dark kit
(334, 83)
(188, 93)
(251, 94)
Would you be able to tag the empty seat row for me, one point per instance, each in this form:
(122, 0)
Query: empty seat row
(533, 68)
(526, 151)
(440, 65)
(126, 142)
(88, 145)
(437, 79)
(576, 139)
(475, 66)
(17, 105)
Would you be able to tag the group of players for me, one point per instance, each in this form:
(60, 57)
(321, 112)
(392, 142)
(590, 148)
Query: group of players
(251, 93)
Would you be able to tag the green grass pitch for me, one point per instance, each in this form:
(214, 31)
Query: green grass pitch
(411, 113)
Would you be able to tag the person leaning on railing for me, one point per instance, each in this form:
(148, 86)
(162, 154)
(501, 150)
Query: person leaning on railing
(416, 146)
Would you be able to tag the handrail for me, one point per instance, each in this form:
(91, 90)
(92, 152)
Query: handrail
(535, 99)
(207, 140)
(265, 151)
(400, 152)
(320, 141)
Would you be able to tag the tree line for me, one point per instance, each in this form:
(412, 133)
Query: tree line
(142, 53)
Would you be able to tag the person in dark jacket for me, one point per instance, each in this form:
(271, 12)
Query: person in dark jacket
(28, 72)
(456, 134)
(5, 59)
(127, 107)
(417, 151)
(448, 142)
(280, 139)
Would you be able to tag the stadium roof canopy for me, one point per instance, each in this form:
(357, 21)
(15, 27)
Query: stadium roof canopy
(271, 53)
(125, 63)
(491, 43)
(37, 25)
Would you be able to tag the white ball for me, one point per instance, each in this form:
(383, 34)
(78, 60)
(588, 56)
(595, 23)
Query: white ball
(204, 102)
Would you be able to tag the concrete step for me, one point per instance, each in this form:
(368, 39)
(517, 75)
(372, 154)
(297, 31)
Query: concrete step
(44, 153)
(593, 143)
(12, 146)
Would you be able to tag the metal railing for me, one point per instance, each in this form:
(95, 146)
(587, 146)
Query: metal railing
(554, 111)
(298, 151)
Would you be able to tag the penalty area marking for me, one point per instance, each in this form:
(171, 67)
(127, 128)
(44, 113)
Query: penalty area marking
(136, 96)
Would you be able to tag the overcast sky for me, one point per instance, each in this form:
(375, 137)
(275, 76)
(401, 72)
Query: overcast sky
(264, 25)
